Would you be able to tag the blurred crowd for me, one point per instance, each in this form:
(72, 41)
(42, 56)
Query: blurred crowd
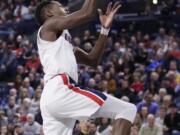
(16, 10)
(137, 67)
(164, 7)
(142, 69)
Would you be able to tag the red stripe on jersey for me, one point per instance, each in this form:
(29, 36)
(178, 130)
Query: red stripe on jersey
(82, 92)
(65, 79)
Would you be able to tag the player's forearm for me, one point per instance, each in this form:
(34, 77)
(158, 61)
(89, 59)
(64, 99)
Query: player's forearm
(89, 7)
(92, 58)
(97, 52)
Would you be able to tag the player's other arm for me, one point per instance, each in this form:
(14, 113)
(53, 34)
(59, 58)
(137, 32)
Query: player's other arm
(81, 16)
(93, 58)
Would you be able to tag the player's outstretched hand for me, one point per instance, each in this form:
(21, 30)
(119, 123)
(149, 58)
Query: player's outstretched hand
(107, 19)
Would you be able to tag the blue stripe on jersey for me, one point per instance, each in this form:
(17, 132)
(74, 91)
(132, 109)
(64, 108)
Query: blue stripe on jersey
(97, 93)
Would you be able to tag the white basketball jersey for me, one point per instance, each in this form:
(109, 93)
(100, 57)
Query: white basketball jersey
(57, 57)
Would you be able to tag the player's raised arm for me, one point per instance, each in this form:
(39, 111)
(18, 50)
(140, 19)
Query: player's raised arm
(94, 56)
(55, 17)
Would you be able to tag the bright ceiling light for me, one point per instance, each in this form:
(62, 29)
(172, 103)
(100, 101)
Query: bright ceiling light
(155, 2)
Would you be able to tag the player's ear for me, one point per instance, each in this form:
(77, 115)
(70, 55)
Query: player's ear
(49, 13)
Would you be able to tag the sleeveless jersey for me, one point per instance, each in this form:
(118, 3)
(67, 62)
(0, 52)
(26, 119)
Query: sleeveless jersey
(57, 57)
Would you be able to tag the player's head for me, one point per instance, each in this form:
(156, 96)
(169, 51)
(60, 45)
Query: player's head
(49, 8)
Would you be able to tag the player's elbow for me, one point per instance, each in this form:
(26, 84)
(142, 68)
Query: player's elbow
(89, 14)
(93, 63)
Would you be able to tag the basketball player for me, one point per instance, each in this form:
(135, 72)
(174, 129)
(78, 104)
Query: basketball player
(62, 103)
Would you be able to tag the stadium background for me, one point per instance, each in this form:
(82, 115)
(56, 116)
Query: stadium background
(140, 65)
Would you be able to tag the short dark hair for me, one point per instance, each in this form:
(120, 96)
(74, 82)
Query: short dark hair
(40, 10)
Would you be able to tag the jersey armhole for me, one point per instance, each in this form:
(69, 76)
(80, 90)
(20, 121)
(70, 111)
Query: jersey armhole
(46, 41)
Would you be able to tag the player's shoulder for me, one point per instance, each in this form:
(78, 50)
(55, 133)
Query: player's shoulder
(50, 26)
(51, 23)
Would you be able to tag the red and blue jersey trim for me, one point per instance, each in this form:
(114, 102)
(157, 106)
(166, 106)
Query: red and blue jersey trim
(94, 95)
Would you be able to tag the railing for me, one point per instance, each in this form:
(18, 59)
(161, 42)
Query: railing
(29, 26)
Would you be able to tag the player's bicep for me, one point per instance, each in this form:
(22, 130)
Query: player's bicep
(82, 57)
(68, 22)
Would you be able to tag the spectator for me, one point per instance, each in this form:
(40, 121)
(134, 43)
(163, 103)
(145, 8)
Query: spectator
(151, 128)
(93, 129)
(11, 108)
(167, 101)
(161, 116)
(111, 82)
(17, 119)
(13, 93)
(31, 127)
(160, 96)
(92, 83)
(4, 130)
(172, 121)
(26, 84)
(136, 125)
(20, 11)
(84, 128)
(148, 101)
(162, 38)
(7, 61)
(26, 107)
(77, 41)
(137, 85)
(104, 128)
(125, 90)
(36, 100)
(77, 128)
(23, 94)
(143, 115)
(33, 63)
(18, 130)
